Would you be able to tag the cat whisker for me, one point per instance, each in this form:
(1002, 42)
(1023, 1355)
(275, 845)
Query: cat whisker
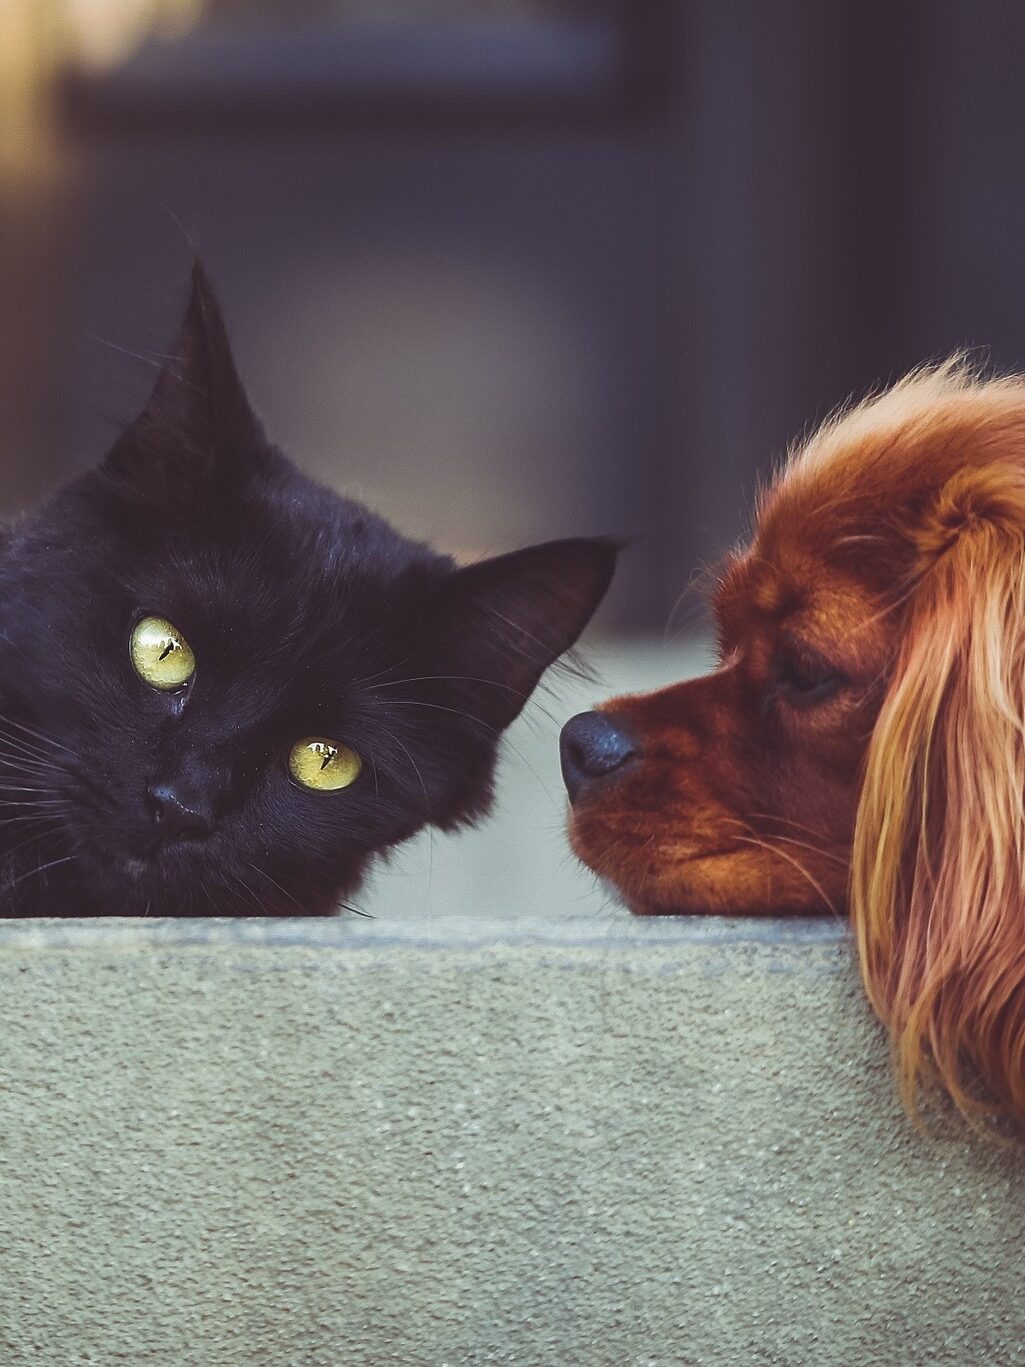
(24, 788)
(530, 703)
(416, 770)
(37, 735)
(13, 750)
(437, 707)
(24, 844)
(32, 873)
(520, 630)
(33, 813)
(264, 874)
(327, 889)
(153, 360)
(443, 678)
(210, 898)
(226, 886)
(29, 781)
(40, 811)
(388, 669)
(411, 702)
(255, 896)
(20, 745)
(356, 911)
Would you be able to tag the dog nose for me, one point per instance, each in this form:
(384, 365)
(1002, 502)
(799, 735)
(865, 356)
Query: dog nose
(591, 746)
(174, 818)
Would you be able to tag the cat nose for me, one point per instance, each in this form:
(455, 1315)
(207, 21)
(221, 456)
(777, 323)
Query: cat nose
(591, 746)
(175, 818)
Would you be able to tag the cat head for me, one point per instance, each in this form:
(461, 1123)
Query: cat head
(224, 689)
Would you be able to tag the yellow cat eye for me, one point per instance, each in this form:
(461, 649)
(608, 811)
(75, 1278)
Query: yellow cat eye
(323, 765)
(161, 655)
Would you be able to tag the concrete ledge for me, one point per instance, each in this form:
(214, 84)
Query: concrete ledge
(346, 1142)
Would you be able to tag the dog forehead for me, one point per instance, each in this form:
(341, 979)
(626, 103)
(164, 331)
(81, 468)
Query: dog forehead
(771, 579)
(790, 559)
(749, 587)
(792, 584)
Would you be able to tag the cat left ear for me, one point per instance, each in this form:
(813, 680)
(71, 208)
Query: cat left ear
(502, 622)
(198, 412)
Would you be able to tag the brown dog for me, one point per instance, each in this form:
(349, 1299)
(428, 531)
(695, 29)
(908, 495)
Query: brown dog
(862, 742)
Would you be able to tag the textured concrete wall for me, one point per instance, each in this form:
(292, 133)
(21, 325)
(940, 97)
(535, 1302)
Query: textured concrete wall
(577, 1143)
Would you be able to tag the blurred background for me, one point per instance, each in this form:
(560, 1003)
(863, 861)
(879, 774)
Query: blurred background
(509, 269)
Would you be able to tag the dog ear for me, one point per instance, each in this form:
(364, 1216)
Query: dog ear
(938, 863)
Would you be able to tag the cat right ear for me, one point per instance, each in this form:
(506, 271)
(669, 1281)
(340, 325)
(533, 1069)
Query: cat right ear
(198, 418)
(500, 623)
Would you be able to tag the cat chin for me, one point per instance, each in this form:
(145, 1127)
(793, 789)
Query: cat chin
(146, 876)
(183, 883)
(135, 869)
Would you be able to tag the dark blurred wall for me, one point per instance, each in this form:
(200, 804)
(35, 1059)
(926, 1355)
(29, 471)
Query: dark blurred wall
(457, 327)
(857, 208)
(510, 334)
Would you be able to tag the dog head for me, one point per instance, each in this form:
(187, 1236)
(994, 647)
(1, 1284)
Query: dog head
(862, 742)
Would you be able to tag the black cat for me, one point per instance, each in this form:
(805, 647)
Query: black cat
(224, 689)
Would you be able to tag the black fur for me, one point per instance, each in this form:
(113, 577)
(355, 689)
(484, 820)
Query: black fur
(308, 615)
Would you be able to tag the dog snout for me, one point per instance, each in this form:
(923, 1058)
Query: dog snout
(592, 746)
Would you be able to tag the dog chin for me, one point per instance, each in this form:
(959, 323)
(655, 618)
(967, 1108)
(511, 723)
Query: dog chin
(716, 883)
(693, 898)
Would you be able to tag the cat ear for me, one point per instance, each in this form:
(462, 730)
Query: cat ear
(198, 415)
(500, 623)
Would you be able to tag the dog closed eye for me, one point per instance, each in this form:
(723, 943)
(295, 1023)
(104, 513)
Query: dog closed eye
(803, 680)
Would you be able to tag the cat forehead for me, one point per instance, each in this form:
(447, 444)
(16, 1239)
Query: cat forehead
(307, 593)
(267, 561)
(275, 536)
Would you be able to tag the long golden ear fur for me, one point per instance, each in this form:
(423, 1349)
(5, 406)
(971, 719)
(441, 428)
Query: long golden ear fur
(938, 864)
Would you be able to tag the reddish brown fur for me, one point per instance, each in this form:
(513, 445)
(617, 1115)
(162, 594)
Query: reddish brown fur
(890, 552)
